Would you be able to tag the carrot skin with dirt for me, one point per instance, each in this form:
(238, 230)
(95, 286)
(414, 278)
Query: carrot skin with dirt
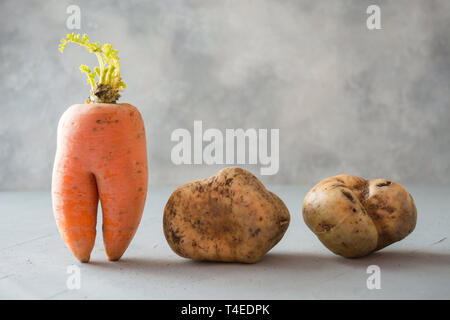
(101, 155)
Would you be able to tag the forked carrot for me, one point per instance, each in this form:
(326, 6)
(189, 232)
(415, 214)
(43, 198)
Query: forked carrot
(101, 154)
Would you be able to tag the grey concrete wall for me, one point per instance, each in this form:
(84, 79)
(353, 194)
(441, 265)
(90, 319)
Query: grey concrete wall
(346, 99)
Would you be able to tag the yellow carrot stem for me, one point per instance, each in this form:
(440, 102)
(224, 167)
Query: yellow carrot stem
(108, 71)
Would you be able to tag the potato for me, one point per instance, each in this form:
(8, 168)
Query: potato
(354, 217)
(229, 217)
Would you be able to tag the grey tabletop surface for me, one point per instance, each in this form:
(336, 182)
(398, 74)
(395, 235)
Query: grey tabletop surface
(35, 264)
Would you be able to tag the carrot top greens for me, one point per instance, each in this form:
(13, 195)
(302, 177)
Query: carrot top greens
(105, 80)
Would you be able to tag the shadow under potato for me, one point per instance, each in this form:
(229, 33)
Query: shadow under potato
(297, 262)
(385, 259)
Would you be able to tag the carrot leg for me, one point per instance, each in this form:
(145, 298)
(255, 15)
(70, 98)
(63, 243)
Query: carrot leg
(75, 201)
(122, 196)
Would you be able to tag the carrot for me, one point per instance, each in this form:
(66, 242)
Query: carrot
(101, 155)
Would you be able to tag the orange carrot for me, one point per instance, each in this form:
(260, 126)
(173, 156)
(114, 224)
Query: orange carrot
(101, 154)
